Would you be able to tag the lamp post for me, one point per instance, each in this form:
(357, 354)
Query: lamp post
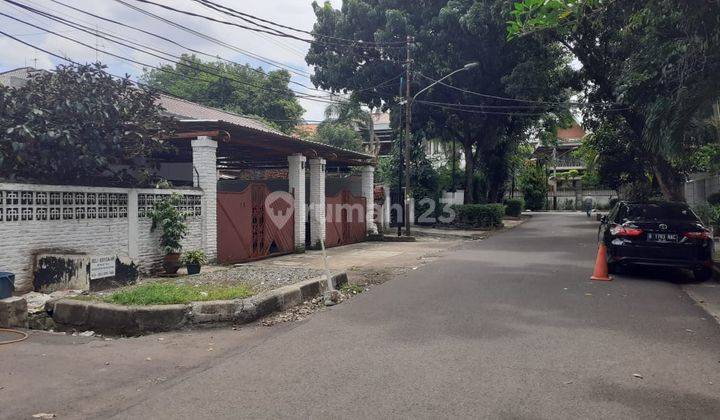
(408, 118)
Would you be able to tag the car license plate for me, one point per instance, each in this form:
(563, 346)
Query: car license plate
(662, 237)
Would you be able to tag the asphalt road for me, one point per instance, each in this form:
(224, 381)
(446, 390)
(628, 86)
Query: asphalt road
(508, 327)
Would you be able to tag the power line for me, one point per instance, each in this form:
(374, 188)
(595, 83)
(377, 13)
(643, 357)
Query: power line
(108, 36)
(170, 41)
(262, 29)
(510, 107)
(217, 41)
(471, 111)
(233, 12)
(163, 69)
(69, 60)
(504, 98)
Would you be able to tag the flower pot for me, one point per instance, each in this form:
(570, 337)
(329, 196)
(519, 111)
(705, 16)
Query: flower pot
(193, 268)
(171, 263)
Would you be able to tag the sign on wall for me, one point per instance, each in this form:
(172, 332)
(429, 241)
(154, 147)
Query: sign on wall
(101, 267)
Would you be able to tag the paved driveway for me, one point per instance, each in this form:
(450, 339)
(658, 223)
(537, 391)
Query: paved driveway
(508, 327)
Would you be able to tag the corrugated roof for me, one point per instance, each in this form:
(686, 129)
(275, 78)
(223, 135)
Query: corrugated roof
(16, 77)
(182, 109)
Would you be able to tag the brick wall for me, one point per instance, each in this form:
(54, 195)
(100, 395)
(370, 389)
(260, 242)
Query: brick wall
(88, 220)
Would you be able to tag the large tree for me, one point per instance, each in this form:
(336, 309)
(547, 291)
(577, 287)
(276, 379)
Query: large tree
(78, 124)
(447, 35)
(657, 61)
(237, 88)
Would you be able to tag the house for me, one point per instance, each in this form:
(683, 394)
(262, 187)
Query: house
(219, 167)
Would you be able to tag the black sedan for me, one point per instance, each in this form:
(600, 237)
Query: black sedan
(660, 234)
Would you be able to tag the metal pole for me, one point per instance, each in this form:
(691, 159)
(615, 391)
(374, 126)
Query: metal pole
(554, 178)
(408, 111)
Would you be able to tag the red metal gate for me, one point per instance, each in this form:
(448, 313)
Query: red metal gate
(344, 219)
(246, 231)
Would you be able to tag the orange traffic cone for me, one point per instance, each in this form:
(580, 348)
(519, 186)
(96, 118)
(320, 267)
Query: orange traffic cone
(601, 268)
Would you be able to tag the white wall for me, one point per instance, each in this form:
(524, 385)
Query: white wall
(89, 220)
(699, 186)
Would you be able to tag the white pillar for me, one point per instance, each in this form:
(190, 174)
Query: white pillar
(367, 188)
(204, 151)
(133, 220)
(386, 208)
(317, 201)
(296, 187)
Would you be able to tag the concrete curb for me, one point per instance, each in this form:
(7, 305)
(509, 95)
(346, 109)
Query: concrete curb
(105, 318)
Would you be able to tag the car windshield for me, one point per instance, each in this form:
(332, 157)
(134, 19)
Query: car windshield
(659, 212)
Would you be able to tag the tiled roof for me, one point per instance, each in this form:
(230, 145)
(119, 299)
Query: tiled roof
(15, 77)
(182, 109)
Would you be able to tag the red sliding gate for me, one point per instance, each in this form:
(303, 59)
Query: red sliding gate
(246, 231)
(345, 219)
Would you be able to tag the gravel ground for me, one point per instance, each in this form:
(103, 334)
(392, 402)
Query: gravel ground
(260, 277)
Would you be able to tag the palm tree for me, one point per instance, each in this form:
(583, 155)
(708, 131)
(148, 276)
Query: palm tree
(352, 113)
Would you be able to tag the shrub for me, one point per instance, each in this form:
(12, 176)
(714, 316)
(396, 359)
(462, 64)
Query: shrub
(514, 206)
(714, 199)
(194, 257)
(708, 214)
(480, 215)
(568, 204)
(166, 215)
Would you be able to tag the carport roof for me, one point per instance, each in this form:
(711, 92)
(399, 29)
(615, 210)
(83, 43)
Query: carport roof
(247, 143)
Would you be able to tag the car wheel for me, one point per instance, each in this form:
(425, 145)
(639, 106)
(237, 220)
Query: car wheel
(702, 274)
(613, 268)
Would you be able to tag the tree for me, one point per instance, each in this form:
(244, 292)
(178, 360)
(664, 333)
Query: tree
(534, 185)
(237, 88)
(447, 35)
(338, 135)
(658, 89)
(351, 112)
(78, 124)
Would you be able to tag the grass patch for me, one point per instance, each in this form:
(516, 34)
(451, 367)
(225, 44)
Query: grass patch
(168, 293)
(352, 288)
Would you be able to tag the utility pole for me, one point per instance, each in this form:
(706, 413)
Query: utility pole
(408, 113)
(555, 182)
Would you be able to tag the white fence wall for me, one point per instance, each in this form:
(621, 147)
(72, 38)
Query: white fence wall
(699, 186)
(96, 221)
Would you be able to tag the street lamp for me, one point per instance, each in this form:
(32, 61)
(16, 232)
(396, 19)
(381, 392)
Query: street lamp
(408, 115)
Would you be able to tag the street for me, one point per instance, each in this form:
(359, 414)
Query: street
(507, 327)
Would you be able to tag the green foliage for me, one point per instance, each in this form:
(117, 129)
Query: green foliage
(78, 124)
(167, 216)
(482, 216)
(568, 204)
(169, 294)
(338, 135)
(663, 89)
(707, 158)
(533, 185)
(714, 199)
(514, 206)
(242, 89)
(709, 214)
(352, 288)
(537, 15)
(447, 36)
(194, 257)
(639, 191)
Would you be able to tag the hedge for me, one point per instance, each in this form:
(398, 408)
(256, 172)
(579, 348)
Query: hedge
(514, 206)
(480, 215)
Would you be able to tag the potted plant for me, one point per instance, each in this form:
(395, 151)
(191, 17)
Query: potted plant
(167, 216)
(194, 260)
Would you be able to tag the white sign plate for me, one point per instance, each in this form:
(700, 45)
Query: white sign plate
(101, 267)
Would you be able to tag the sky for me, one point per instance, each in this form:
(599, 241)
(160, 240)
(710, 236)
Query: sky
(286, 52)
